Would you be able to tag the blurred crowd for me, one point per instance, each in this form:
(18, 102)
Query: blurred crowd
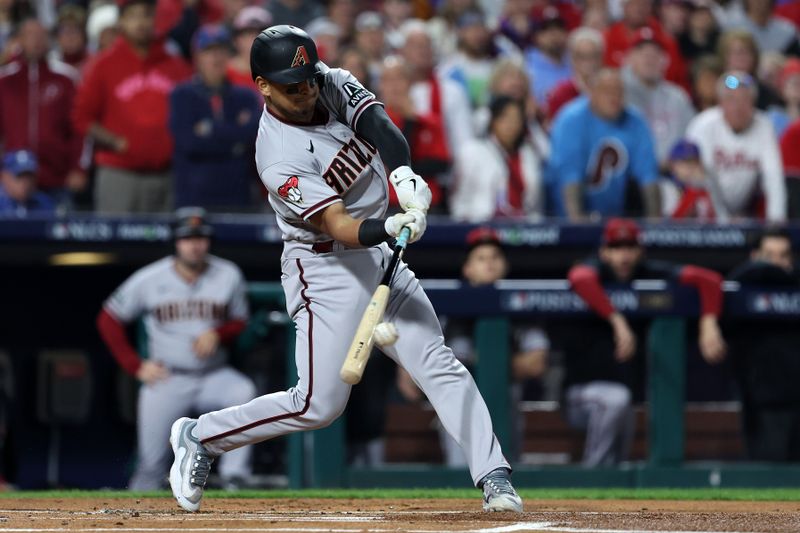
(515, 108)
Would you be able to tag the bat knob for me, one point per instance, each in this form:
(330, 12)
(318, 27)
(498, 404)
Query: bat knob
(350, 377)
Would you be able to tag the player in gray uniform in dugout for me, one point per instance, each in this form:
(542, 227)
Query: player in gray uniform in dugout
(193, 304)
(324, 150)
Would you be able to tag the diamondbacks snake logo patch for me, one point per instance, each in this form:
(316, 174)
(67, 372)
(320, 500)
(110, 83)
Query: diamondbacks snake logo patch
(290, 191)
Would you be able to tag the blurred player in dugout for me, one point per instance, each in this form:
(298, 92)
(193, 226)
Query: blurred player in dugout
(764, 356)
(192, 304)
(604, 364)
(484, 265)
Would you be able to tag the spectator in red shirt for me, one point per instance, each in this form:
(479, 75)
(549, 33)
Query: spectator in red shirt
(71, 36)
(123, 106)
(790, 149)
(598, 362)
(425, 131)
(585, 48)
(638, 14)
(246, 27)
(36, 95)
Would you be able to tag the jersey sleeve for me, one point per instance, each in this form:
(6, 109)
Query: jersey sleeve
(347, 97)
(238, 308)
(127, 302)
(298, 187)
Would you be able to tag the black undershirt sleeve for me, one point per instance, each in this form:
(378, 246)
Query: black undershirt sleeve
(371, 232)
(376, 126)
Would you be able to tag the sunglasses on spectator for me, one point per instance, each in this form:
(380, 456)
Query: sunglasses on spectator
(734, 82)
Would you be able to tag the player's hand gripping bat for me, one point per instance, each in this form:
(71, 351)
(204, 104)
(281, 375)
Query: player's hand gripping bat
(363, 341)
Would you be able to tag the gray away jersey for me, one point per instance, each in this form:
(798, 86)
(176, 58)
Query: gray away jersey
(308, 167)
(177, 312)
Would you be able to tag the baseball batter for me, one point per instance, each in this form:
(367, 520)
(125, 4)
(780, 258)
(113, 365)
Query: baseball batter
(323, 151)
(192, 303)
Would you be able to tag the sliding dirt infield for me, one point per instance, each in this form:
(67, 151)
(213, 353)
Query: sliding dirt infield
(383, 515)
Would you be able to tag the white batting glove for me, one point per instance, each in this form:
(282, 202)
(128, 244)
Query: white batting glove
(385, 334)
(414, 219)
(412, 191)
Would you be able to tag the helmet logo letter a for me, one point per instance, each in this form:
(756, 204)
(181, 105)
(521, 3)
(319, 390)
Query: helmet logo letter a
(300, 57)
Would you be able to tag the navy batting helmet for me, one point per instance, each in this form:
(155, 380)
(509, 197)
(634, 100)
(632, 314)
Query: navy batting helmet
(284, 54)
(191, 222)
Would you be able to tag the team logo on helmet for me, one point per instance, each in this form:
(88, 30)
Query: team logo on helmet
(300, 57)
(290, 191)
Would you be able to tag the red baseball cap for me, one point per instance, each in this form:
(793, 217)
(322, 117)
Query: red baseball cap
(790, 68)
(482, 235)
(619, 231)
(646, 35)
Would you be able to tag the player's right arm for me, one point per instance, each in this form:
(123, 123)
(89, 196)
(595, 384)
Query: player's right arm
(122, 307)
(585, 281)
(337, 222)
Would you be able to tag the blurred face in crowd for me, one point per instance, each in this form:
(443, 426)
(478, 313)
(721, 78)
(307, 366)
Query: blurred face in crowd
(395, 84)
(243, 41)
(648, 62)
(343, 13)
(370, 41)
(701, 21)
(33, 39)
(211, 63)
(552, 40)
(352, 61)
(294, 102)
(474, 40)
(705, 88)
(636, 12)
(595, 18)
(137, 23)
(513, 83)
(71, 38)
(231, 8)
(519, 8)
(675, 16)
(740, 57)
(759, 10)
(791, 89)
(737, 108)
(607, 95)
(586, 58)
(688, 171)
(397, 11)
(418, 53)
(622, 259)
(191, 252)
(775, 250)
(509, 125)
(19, 187)
(485, 264)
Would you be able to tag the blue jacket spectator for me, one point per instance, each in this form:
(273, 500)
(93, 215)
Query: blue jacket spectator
(214, 124)
(598, 146)
(18, 194)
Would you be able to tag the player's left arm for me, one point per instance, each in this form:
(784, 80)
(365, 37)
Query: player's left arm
(375, 125)
(709, 286)
(207, 343)
(335, 221)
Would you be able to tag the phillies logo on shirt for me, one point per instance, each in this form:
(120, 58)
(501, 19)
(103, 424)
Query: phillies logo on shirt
(300, 57)
(290, 191)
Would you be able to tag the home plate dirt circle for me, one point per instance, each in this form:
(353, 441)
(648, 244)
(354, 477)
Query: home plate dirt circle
(379, 515)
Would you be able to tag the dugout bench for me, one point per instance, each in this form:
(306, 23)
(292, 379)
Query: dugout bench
(317, 458)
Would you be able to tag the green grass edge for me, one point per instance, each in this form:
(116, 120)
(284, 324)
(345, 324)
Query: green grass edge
(730, 494)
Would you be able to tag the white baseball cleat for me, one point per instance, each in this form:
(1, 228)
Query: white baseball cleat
(191, 466)
(498, 493)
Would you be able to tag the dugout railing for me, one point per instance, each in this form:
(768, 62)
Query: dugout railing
(317, 458)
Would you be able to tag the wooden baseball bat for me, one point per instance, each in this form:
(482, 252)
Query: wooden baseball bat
(363, 341)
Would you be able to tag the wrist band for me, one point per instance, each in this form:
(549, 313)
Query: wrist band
(372, 232)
